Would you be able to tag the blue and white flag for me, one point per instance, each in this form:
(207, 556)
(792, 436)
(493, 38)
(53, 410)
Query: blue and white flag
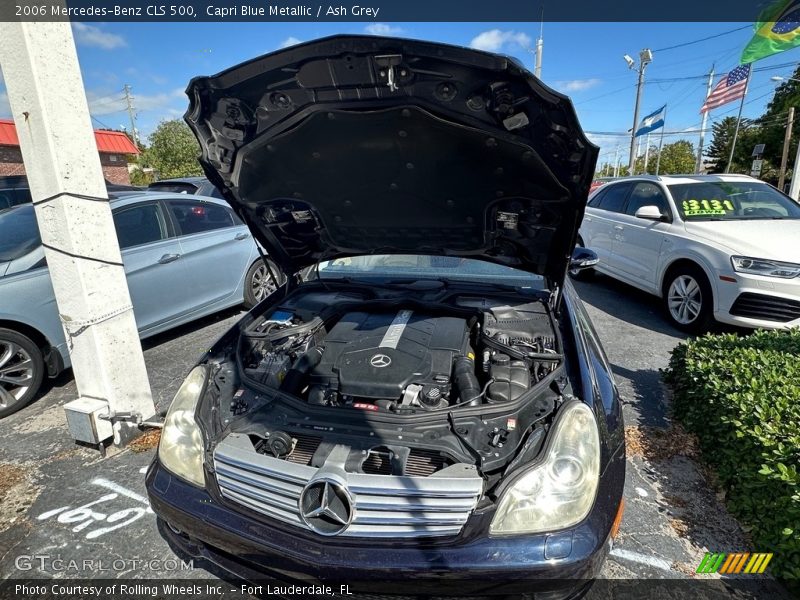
(652, 122)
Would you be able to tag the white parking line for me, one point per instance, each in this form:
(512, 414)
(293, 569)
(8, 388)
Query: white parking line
(658, 563)
(120, 490)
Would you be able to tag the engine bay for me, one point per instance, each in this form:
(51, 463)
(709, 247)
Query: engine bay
(403, 359)
(407, 386)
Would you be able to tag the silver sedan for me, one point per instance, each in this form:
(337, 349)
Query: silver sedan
(185, 257)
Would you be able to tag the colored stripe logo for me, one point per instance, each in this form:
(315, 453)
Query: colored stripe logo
(735, 563)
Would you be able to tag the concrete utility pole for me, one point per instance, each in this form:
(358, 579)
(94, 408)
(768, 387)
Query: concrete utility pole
(794, 187)
(537, 70)
(645, 58)
(131, 113)
(786, 139)
(47, 98)
(699, 164)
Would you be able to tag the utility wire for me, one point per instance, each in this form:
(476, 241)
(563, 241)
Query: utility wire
(710, 37)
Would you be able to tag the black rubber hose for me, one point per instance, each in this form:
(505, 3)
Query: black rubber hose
(469, 390)
(293, 382)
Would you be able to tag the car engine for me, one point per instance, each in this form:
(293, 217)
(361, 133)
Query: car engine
(405, 359)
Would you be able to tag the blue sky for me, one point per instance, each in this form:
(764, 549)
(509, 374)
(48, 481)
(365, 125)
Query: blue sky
(582, 59)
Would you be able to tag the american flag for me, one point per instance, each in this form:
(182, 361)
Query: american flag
(731, 87)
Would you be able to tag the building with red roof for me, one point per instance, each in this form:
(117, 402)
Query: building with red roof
(114, 147)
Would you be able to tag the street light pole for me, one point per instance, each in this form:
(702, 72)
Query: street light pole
(645, 57)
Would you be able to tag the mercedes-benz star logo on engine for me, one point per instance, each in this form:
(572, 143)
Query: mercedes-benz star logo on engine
(326, 507)
(380, 360)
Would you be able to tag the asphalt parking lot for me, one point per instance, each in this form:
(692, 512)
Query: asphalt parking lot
(66, 501)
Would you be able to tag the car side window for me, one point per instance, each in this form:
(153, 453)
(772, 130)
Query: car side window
(140, 224)
(613, 199)
(198, 217)
(594, 202)
(21, 196)
(6, 199)
(646, 194)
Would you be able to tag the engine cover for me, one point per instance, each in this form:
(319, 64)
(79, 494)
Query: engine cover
(377, 355)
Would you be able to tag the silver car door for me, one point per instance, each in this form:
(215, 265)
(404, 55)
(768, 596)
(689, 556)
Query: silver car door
(216, 249)
(156, 275)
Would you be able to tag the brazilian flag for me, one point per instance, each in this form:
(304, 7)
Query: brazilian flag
(777, 30)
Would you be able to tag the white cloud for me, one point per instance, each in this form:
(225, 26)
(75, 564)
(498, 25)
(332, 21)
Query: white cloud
(382, 29)
(290, 41)
(89, 35)
(166, 104)
(576, 85)
(495, 40)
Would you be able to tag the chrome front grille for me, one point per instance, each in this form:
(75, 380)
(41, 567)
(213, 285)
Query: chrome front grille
(384, 505)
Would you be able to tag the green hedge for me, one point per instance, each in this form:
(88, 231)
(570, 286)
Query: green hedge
(741, 396)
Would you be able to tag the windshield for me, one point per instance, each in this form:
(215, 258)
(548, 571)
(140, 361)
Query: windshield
(732, 201)
(19, 233)
(389, 267)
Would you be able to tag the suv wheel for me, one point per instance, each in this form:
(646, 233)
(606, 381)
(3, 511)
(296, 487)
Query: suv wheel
(258, 284)
(21, 371)
(688, 299)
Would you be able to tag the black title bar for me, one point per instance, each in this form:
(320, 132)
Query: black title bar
(381, 10)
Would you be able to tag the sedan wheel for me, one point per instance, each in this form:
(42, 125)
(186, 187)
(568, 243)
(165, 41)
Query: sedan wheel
(21, 371)
(688, 300)
(259, 284)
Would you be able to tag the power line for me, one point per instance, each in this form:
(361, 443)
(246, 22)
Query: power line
(711, 37)
(100, 122)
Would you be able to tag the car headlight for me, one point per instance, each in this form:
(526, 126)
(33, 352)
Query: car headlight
(181, 446)
(559, 491)
(762, 266)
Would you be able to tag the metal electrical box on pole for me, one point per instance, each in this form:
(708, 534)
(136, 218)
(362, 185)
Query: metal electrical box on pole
(48, 102)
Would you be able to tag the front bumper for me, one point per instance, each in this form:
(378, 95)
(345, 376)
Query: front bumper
(756, 301)
(558, 565)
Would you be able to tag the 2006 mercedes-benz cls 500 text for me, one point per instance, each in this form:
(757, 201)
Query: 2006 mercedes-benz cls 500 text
(425, 408)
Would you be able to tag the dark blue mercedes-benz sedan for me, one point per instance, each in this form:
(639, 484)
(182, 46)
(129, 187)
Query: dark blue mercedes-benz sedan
(423, 407)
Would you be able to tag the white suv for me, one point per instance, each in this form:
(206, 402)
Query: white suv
(724, 247)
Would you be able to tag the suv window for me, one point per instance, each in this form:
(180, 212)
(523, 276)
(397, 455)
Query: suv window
(646, 194)
(140, 224)
(614, 197)
(198, 217)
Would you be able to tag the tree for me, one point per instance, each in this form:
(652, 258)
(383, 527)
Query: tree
(720, 147)
(677, 157)
(173, 151)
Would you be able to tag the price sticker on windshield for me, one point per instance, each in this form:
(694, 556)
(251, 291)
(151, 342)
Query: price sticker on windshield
(704, 208)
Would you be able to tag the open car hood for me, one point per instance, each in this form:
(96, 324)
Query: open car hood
(355, 145)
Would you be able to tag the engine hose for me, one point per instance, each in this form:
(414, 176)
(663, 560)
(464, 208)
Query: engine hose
(469, 390)
(514, 353)
(271, 336)
(293, 382)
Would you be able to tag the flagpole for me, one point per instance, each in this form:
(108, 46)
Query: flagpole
(738, 121)
(661, 143)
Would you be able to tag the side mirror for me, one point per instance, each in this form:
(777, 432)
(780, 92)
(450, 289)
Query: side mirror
(582, 258)
(649, 212)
